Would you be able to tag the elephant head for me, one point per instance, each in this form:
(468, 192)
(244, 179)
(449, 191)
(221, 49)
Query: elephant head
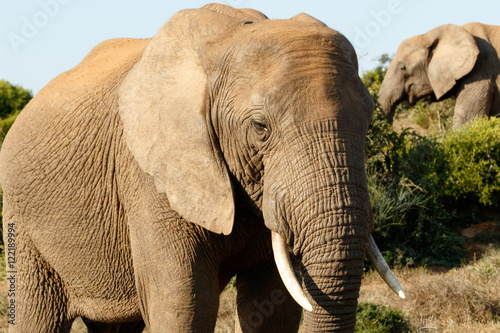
(227, 110)
(428, 65)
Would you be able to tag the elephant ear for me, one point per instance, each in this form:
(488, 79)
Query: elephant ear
(453, 53)
(165, 114)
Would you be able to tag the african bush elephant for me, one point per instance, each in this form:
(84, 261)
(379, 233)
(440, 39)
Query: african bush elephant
(138, 183)
(449, 60)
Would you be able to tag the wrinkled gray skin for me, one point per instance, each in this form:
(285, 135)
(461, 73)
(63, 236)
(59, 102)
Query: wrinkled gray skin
(448, 60)
(143, 179)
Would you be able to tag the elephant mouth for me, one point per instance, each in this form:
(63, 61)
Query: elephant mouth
(284, 265)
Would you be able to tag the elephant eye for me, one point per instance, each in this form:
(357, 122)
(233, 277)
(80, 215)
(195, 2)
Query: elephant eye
(261, 129)
(403, 68)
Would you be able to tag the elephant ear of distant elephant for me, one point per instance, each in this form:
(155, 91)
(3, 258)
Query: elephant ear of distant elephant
(163, 107)
(453, 53)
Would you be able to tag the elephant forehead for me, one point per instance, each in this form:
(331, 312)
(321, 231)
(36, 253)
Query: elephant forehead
(317, 91)
(276, 41)
(285, 61)
(295, 68)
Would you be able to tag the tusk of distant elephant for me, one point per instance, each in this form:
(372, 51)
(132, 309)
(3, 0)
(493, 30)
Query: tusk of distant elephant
(382, 268)
(282, 258)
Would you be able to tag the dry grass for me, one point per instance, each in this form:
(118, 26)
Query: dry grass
(466, 299)
(460, 300)
(225, 320)
(227, 311)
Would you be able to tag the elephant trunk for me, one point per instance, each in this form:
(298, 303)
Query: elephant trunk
(391, 93)
(332, 270)
(322, 211)
(325, 216)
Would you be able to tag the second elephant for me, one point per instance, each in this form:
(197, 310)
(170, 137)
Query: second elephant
(449, 60)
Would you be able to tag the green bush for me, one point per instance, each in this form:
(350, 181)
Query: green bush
(435, 117)
(405, 174)
(6, 124)
(423, 190)
(409, 228)
(12, 100)
(473, 156)
(371, 318)
(392, 205)
(459, 172)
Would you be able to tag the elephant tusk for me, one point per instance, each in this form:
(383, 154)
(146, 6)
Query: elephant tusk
(282, 258)
(382, 268)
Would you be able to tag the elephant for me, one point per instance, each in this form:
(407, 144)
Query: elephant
(138, 183)
(449, 60)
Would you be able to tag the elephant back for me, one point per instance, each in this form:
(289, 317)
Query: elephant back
(71, 106)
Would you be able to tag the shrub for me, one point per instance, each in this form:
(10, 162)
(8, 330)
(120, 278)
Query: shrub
(473, 155)
(12, 100)
(380, 319)
(409, 228)
(406, 172)
(6, 124)
(392, 205)
(435, 117)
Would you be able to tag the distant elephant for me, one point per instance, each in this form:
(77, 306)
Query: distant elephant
(447, 61)
(139, 182)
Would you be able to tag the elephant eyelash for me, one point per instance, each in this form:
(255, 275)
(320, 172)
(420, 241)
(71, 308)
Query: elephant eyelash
(261, 129)
(260, 126)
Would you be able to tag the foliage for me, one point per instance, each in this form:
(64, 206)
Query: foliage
(435, 117)
(407, 226)
(392, 206)
(371, 318)
(473, 154)
(12, 100)
(232, 284)
(423, 189)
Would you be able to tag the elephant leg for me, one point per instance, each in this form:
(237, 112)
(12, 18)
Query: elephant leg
(36, 292)
(179, 302)
(95, 327)
(263, 303)
(176, 276)
(474, 100)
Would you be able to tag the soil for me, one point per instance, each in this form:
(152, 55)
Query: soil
(478, 237)
(402, 121)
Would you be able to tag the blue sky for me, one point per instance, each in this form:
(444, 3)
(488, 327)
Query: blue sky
(40, 39)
